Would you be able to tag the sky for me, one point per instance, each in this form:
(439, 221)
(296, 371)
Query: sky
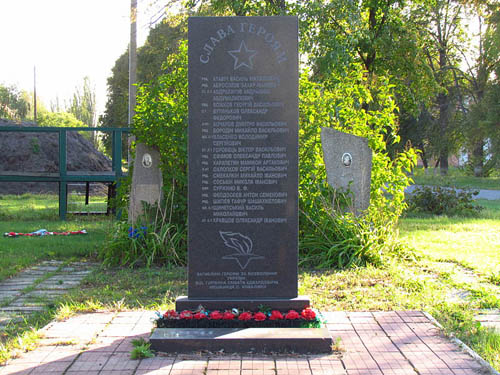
(66, 40)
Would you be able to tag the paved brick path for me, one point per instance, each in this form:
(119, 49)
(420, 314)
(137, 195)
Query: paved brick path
(32, 289)
(378, 343)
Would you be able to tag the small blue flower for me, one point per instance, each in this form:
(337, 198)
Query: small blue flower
(133, 233)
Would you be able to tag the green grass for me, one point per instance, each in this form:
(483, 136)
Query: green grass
(28, 213)
(421, 284)
(474, 242)
(44, 206)
(456, 178)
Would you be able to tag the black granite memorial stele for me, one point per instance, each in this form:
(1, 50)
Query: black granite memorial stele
(243, 163)
(243, 184)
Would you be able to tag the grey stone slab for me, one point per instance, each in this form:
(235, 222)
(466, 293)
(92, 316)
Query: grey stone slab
(233, 340)
(243, 157)
(62, 279)
(46, 293)
(348, 162)
(43, 269)
(22, 309)
(14, 287)
(298, 303)
(147, 181)
(6, 318)
(9, 293)
(57, 286)
(25, 303)
(21, 280)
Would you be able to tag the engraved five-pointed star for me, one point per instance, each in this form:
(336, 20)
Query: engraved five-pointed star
(243, 56)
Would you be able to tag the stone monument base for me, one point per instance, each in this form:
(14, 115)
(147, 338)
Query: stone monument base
(281, 304)
(236, 340)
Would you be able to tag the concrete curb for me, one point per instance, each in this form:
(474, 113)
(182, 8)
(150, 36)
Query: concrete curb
(486, 366)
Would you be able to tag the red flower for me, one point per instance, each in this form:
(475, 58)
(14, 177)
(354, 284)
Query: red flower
(308, 314)
(228, 315)
(292, 315)
(276, 315)
(216, 315)
(171, 314)
(259, 317)
(186, 314)
(199, 316)
(245, 316)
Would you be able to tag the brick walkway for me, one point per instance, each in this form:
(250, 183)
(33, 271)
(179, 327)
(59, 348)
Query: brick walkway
(378, 343)
(32, 289)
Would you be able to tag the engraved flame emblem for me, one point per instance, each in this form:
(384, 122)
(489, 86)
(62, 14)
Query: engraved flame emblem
(243, 246)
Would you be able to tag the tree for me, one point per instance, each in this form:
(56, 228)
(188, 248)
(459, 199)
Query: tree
(13, 104)
(440, 29)
(480, 124)
(83, 105)
(162, 41)
(59, 119)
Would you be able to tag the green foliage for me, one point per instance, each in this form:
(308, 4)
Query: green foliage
(141, 349)
(494, 278)
(154, 239)
(35, 145)
(343, 241)
(161, 122)
(330, 238)
(162, 41)
(456, 178)
(59, 119)
(83, 105)
(443, 201)
(13, 104)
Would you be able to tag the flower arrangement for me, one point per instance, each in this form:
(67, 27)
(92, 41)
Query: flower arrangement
(234, 318)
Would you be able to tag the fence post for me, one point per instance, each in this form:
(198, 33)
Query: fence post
(63, 187)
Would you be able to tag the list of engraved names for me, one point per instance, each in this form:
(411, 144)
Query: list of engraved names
(243, 163)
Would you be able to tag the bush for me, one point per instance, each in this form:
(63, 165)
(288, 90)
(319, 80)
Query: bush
(327, 239)
(331, 238)
(154, 239)
(439, 200)
(341, 240)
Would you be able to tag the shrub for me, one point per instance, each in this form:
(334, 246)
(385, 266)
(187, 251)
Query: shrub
(439, 200)
(327, 239)
(331, 238)
(154, 239)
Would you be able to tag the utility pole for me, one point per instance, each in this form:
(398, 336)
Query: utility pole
(34, 92)
(132, 71)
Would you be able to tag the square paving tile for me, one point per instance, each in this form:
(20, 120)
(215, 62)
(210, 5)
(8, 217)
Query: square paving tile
(359, 361)
(258, 363)
(233, 364)
(120, 362)
(156, 363)
(17, 369)
(51, 368)
(258, 372)
(90, 361)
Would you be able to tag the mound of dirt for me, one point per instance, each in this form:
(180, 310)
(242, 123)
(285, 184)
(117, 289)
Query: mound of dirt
(39, 152)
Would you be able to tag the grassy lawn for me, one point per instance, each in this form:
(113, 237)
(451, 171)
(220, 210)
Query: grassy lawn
(473, 242)
(445, 246)
(28, 213)
(456, 178)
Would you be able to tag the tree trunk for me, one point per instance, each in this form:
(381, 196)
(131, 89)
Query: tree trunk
(443, 100)
(443, 162)
(444, 104)
(423, 157)
(478, 158)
